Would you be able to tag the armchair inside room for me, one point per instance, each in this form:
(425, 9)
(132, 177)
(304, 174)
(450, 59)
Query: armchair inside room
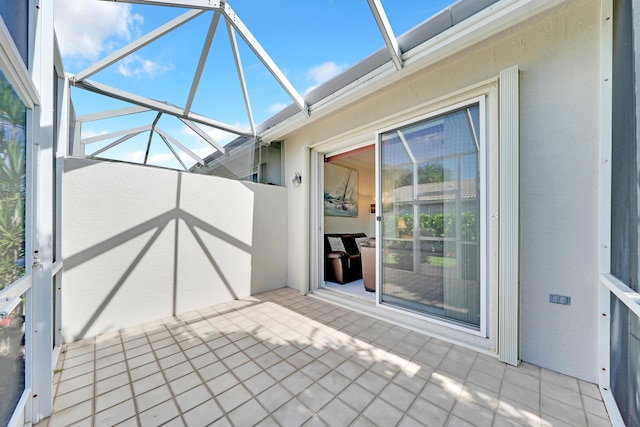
(342, 257)
(368, 258)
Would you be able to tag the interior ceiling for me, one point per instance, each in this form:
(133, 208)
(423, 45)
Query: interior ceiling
(225, 18)
(364, 157)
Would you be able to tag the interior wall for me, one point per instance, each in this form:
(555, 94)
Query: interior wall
(365, 221)
(144, 243)
(558, 56)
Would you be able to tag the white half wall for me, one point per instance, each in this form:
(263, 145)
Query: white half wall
(142, 243)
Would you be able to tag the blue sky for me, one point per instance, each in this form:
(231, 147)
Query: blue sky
(309, 40)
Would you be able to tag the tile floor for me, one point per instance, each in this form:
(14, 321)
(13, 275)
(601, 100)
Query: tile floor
(280, 359)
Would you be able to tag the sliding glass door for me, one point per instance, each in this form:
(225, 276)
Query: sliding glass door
(431, 216)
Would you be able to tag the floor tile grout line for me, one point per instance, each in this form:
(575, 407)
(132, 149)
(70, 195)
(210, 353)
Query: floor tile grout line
(133, 394)
(166, 380)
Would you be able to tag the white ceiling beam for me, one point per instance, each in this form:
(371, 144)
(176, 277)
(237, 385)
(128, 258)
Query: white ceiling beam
(134, 46)
(109, 135)
(243, 83)
(203, 60)
(113, 144)
(204, 135)
(387, 33)
(158, 106)
(153, 126)
(112, 113)
(174, 141)
(173, 152)
(191, 4)
(252, 42)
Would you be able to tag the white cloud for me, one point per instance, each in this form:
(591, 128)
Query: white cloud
(135, 66)
(134, 157)
(323, 72)
(162, 158)
(86, 29)
(274, 108)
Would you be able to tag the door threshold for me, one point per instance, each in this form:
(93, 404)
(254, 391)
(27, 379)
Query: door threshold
(413, 323)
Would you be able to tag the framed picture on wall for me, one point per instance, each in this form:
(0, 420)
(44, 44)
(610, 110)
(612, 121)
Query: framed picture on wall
(340, 191)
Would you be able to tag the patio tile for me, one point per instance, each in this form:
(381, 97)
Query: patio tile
(424, 410)
(334, 382)
(222, 383)
(248, 414)
(234, 397)
(382, 414)
(115, 414)
(372, 382)
(274, 397)
(192, 398)
(72, 398)
(292, 413)
(178, 371)
(315, 397)
(565, 395)
(80, 359)
(474, 414)
(280, 370)
(159, 414)
(282, 359)
(562, 411)
(153, 397)
(258, 383)
(110, 371)
(522, 395)
(185, 383)
(315, 369)
(397, 396)
(70, 415)
(113, 397)
(337, 413)
(75, 383)
(144, 371)
(75, 371)
(356, 397)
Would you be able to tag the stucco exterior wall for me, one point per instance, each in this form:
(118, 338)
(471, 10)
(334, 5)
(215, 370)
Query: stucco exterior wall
(142, 244)
(558, 55)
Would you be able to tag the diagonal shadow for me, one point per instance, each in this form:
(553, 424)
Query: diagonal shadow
(119, 239)
(213, 263)
(120, 282)
(159, 223)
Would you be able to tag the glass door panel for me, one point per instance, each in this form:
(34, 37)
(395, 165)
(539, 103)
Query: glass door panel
(430, 217)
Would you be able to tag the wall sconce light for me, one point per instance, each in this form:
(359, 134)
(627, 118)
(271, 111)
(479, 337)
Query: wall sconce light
(372, 209)
(297, 179)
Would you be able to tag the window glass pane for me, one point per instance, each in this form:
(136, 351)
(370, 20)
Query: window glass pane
(246, 160)
(430, 226)
(15, 16)
(12, 184)
(11, 359)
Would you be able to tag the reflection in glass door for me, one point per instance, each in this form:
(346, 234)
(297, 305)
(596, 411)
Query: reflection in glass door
(13, 282)
(430, 188)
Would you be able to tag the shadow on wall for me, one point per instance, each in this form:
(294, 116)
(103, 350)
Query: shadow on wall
(135, 251)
